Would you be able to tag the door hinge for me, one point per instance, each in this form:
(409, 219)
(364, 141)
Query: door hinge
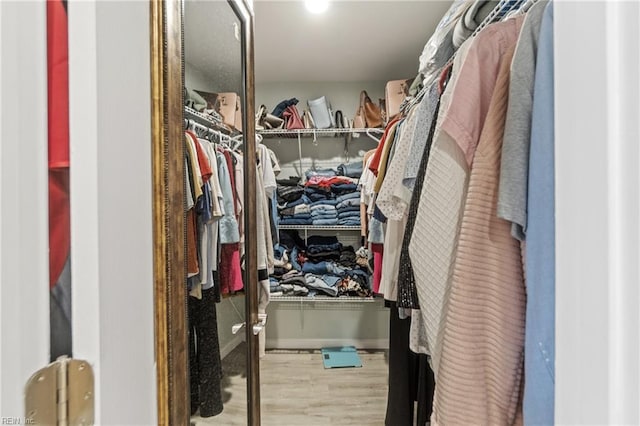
(61, 394)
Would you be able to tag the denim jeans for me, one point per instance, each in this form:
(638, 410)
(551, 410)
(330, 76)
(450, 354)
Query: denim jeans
(351, 202)
(317, 283)
(326, 202)
(348, 196)
(319, 248)
(322, 268)
(294, 259)
(349, 209)
(340, 188)
(346, 215)
(325, 222)
(295, 221)
(353, 170)
(321, 216)
(302, 200)
(323, 207)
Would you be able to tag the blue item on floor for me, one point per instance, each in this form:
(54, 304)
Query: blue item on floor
(340, 357)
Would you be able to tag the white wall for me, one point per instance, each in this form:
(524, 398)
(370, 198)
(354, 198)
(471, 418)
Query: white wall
(314, 325)
(195, 78)
(597, 57)
(24, 247)
(230, 311)
(110, 104)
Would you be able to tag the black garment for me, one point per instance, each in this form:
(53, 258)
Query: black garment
(205, 365)
(410, 377)
(407, 293)
(60, 315)
(348, 257)
(323, 255)
(292, 181)
(291, 239)
(289, 193)
(321, 240)
(279, 109)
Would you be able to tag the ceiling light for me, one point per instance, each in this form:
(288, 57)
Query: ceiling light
(317, 6)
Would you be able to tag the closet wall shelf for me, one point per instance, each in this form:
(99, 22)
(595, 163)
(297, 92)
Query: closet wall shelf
(205, 120)
(321, 228)
(341, 299)
(318, 132)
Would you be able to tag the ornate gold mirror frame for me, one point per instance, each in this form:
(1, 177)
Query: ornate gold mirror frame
(171, 341)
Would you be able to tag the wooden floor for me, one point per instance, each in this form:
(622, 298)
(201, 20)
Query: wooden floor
(296, 390)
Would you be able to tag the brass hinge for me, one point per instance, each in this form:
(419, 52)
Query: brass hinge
(61, 394)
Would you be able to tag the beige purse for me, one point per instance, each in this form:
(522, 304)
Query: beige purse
(395, 91)
(230, 109)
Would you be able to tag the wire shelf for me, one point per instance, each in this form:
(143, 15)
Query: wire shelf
(340, 299)
(207, 120)
(321, 228)
(319, 132)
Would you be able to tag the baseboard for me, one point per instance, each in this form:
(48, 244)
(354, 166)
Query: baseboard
(231, 345)
(323, 343)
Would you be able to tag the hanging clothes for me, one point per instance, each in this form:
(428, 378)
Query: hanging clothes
(540, 254)
(481, 382)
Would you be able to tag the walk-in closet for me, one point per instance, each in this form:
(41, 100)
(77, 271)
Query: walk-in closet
(394, 171)
(319, 212)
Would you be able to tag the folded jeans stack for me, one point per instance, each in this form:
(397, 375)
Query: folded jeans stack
(324, 215)
(348, 208)
(353, 170)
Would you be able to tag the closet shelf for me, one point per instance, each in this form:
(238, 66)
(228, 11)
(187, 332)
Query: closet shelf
(340, 299)
(206, 120)
(321, 228)
(318, 132)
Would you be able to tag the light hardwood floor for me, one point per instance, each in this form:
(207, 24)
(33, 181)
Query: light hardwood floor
(296, 390)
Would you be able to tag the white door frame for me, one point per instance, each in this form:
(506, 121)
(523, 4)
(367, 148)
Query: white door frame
(111, 227)
(24, 223)
(111, 216)
(597, 119)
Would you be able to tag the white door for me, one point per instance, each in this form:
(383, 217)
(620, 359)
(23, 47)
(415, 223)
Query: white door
(111, 229)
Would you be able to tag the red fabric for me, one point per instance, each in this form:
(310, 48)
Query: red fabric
(378, 251)
(230, 271)
(193, 267)
(377, 156)
(203, 159)
(59, 223)
(443, 78)
(58, 121)
(326, 182)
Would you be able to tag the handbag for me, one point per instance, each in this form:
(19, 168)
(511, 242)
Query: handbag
(292, 117)
(273, 122)
(320, 112)
(230, 109)
(394, 92)
(368, 113)
(339, 120)
(279, 109)
(307, 120)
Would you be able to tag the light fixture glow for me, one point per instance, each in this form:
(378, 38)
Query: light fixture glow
(317, 6)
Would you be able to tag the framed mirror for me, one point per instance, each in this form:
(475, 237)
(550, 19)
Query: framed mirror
(202, 83)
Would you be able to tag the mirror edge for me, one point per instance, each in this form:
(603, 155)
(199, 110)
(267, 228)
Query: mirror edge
(171, 342)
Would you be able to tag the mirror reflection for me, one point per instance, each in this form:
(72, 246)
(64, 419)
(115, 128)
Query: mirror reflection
(214, 193)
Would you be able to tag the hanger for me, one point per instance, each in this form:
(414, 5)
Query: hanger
(368, 132)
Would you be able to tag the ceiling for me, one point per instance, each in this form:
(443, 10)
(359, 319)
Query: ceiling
(352, 41)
